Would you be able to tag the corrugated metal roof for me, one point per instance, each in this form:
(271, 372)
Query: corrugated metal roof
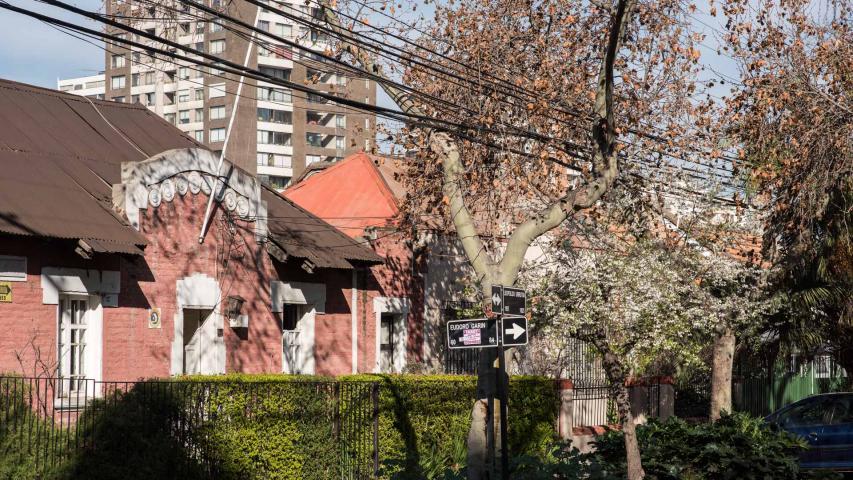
(60, 155)
(301, 234)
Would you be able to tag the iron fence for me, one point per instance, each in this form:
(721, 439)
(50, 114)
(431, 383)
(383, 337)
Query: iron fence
(593, 405)
(193, 429)
(461, 361)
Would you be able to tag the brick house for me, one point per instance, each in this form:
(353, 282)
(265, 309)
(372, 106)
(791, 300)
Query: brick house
(102, 273)
(359, 195)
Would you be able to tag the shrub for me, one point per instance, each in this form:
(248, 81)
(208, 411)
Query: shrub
(229, 427)
(17, 460)
(735, 447)
(424, 420)
(277, 427)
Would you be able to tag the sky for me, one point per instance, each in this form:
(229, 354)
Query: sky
(36, 53)
(33, 52)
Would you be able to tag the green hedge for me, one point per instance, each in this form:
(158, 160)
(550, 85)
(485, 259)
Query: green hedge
(282, 427)
(242, 426)
(736, 447)
(16, 461)
(424, 420)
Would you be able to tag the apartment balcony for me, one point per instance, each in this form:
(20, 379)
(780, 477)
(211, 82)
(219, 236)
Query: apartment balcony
(274, 61)
(320, 119)
(320, 140)
(275, 127)
(190, 127)
(275, 171)
(279, 149)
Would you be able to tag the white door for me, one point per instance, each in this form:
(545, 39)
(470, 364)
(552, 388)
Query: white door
(74, 343)
(202, 343)
(291, 340)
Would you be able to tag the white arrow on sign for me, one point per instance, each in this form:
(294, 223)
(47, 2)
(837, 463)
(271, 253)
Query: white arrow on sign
(516, 331)
(496, 299)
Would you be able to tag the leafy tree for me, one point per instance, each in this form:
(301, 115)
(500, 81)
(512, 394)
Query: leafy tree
(654, 303)
(634, 306)
(552, 87)
(792, 114)
(737, 304)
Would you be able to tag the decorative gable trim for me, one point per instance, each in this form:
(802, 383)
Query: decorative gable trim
(188, 171)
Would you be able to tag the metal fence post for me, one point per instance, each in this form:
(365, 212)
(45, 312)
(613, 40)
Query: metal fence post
(375, 398)
(336, 426)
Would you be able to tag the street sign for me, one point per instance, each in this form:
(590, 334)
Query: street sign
(472, 333)
(514, 300)
(497, 298)
(508, 300)
(6, 292)
(514, 331)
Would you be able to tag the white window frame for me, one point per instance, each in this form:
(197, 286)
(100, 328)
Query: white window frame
(117, 82)
(217, 109)
(217, 46)
(118, 61)
(216, 138)
(70, 394)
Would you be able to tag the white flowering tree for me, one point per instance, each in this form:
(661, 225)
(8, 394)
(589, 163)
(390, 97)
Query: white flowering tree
(738, 305)
(652, 301)
(632, 306)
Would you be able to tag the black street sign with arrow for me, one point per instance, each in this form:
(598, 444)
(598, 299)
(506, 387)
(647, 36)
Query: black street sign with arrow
(514, 331)
(507, 328)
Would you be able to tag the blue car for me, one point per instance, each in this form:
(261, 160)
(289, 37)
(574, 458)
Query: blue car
(826, 422)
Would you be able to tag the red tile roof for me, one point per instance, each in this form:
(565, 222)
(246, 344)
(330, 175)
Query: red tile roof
(352, 195)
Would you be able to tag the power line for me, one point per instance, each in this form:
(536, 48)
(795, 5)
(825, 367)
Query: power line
(172, 55)
(650, 136)
(523, 132)
(230, 67)
(533, 95)
(384, 80)
(249, 73)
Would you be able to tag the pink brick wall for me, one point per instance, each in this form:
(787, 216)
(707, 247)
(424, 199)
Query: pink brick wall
(398, 277)
(229, 254)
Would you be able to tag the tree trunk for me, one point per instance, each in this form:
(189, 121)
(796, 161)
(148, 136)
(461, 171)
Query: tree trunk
(619, 391)
(721, 373)
(629, 432)
(843, 353)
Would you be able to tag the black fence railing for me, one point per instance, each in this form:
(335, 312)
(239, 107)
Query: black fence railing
(592, 404)
(462, 361)
(192, 429)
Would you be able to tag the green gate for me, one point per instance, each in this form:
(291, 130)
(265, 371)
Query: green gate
(766, 392)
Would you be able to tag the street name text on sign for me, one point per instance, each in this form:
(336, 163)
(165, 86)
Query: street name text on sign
(472, 333)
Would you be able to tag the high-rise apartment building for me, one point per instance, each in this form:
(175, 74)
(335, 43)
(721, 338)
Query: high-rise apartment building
(276, 131)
